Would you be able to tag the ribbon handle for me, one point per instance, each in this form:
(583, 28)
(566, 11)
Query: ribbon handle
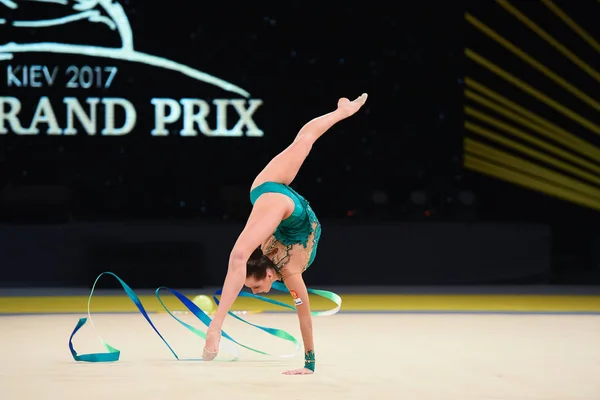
(112, 354)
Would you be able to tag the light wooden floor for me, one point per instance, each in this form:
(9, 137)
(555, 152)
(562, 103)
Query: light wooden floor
(359, 356)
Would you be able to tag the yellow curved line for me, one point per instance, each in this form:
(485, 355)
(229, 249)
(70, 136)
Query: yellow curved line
(547, 37)
(531, 91)
(530, 152)
(532, 61)
(572, 24)
(532, 169)
(573, 143)
(503, 172)
(551, 130)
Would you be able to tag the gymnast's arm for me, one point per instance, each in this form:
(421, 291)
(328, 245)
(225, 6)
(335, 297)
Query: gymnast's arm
(268, 211)
(297, 287)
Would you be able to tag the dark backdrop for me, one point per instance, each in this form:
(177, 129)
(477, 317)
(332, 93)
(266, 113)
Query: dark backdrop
(398, 162)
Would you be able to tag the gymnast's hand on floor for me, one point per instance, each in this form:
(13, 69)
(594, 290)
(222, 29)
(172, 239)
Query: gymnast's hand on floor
(351, 107)
(299, 371)
(211, 347)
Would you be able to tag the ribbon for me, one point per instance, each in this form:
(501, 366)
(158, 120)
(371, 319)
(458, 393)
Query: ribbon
(112, 354)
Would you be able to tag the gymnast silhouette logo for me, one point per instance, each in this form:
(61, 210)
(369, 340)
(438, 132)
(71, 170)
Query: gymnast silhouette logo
(105, 12)
(109, 36)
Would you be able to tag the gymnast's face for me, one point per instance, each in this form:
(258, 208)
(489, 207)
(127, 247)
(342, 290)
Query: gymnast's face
(261, 285)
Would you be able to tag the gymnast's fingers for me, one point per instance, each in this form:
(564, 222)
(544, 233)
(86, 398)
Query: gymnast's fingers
(208, 355)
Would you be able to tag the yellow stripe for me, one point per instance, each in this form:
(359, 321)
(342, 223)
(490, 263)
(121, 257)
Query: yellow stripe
(531, 169)
(351, 302)
(572, 24)
(112, 304)
(555, 133)
(505, 173)
(523, 149)
(472, 83)
(533, 62)
(532, 91)
(528, 137)
(547, 37)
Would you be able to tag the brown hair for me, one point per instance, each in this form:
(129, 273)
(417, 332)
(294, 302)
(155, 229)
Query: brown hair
(257, 265)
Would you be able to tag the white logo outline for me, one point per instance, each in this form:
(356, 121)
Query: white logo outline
(118, 21)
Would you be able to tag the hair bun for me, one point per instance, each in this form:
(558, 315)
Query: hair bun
(256, 253)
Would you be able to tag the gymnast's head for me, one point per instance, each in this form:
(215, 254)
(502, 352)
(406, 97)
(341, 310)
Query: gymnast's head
(260, 272)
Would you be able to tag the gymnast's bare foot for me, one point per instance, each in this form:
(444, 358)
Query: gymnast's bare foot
(348, 107)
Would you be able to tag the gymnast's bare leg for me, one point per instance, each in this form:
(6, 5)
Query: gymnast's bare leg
(285, 166)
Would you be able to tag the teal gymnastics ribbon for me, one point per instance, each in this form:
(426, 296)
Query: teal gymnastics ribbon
(112, 354)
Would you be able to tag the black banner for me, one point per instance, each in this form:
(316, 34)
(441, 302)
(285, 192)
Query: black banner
(150, 254)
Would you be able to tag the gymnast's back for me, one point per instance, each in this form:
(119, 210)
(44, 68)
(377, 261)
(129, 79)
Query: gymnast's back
(297, 235)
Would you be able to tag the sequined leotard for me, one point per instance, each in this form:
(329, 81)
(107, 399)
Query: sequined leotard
(296, 236)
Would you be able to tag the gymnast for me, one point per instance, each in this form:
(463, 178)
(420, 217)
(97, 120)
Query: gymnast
(280, 238)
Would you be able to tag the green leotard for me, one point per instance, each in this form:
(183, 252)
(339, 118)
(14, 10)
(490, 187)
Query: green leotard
(298, 227)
